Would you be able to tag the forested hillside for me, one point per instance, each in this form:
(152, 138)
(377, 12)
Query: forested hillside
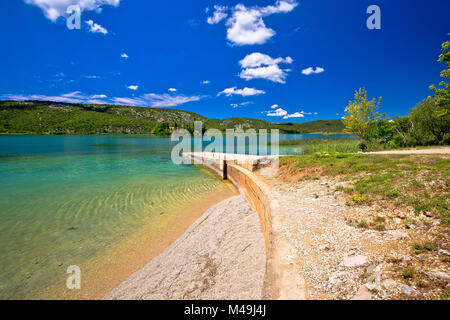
(37, 117)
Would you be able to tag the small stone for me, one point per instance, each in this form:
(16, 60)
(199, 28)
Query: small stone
(397, 235)
(447, 286)
(444, 252)
(362, 294)
(401, 215)
(390, 285)
(337, 277)
(438, 275)
(355, 261)
(407, 290)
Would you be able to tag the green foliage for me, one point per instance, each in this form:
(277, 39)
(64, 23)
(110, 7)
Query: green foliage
(40, 117)
(359, 199)
(361, 115)
(161, 129)
(407, 274)
(441, 97)
(385, 177)
(446, 295)
(431, 127)
(320, 145)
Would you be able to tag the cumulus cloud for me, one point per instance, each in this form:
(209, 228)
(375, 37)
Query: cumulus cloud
(124, 56)
(245, 25)
(133, 87)
(277, 113)
(53, 9)
(172, 90)
(294, 115)
(262, 66)
(206, 82)
(257, 59)
(311, 70)
(96, 28)
(241, 92)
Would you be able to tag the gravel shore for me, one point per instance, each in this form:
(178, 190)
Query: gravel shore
(221, 256)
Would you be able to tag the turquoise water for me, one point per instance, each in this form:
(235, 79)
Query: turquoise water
(66, 199)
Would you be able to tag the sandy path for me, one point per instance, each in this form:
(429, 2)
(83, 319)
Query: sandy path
(221, 256)
(444, 150)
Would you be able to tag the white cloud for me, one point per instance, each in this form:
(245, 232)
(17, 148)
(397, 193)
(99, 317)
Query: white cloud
(53, 9)
(257, 59)
(124, 56)
(172, 90)
(206, 82)
(146, 100)
(311, 70)
(280, 112)
(96, 28)
(242, 104)
(262, 66)
(71, 97)
(92, 77)
(242, 92)
(157, 100)
(218, 15)
(99, 96)
(133, 87)
(294, 115)
(245, 26)
(277, 113)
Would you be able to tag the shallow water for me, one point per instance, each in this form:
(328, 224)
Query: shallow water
(78, 200)
(64, 199)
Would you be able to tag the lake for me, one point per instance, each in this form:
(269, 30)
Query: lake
(106, 203)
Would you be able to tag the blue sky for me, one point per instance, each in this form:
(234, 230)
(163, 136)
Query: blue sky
(281, 61)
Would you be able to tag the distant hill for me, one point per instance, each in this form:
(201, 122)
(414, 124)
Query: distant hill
(42, 117)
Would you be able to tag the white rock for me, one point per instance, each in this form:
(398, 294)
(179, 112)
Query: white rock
(397, 234)
(444, 252)
(362, 294)
(438, 275)
(355, 261)
(390, 285)
(409, 291)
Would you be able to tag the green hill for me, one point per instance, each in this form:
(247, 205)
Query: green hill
(42, 117)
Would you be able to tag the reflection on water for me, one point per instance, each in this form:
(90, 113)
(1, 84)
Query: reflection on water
(66, 199)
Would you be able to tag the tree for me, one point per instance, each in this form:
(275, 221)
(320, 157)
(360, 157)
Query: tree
(442, 94)
(361, 115)
(404, 128)
(437, 110)
(432, 127)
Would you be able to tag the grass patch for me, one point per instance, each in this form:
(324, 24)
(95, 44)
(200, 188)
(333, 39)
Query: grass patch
(407, 273)
(420, 182)
(446, 295)
(320, 145)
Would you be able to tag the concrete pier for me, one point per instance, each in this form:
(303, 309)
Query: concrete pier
(281, 282)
